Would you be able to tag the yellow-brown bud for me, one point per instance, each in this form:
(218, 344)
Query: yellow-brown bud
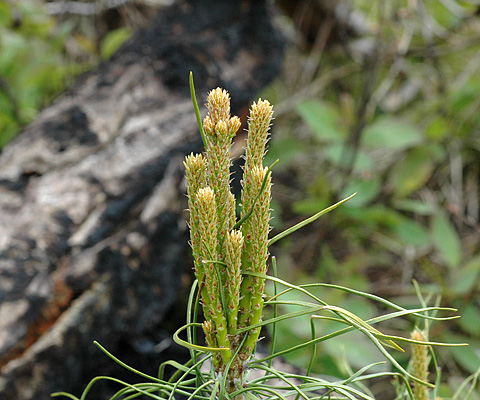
(218, 103)
(420, 361)
(208, 126)
(261, 114)
(235, 125)
(221, 129)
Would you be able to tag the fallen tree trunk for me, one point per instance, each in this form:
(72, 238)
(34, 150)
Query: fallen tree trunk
(93, 243)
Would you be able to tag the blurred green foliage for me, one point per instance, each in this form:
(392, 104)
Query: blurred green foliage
(39, 57)
(393, 115)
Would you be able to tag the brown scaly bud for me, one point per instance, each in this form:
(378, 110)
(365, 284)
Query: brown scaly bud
(235, 125)
(218, 103)
(420, 361)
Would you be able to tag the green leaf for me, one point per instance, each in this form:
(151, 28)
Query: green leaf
(438, 129)
(415, 206)
(323, 118)
(467, 356)
(373, 216)
(470, 321)
(9, 129)
(309, 205)
(467, 277)
(339, 155)
(412, 172)
(462, 98)
(12, 45)
(287, 150)
(391, 133)
(446, 239)
(112, 42)
(367, 190)
(410, 232)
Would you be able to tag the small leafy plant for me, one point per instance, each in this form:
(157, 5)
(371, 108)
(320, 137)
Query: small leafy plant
(231, 263)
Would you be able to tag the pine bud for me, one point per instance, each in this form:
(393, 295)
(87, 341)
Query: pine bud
(420, 361)
(208, 126)
(261, 114)
(235, 125)
(221, 129)
(196, 173)
(207, 223)
(218, 103)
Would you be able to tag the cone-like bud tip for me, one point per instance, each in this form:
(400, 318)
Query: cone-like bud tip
(218, 103)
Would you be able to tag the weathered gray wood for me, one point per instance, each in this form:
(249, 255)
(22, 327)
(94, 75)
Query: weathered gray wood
(93, 243)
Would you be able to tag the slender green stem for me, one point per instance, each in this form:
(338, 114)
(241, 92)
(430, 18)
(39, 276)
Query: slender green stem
(197, 110)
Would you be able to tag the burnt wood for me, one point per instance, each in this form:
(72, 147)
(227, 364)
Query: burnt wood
(93, 239)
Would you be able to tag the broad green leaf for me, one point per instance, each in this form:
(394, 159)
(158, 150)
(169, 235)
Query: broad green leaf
(286, 150)
(438, 129)
(319, 197)
(391, 133)
(323, 118)
(412, 172)
(446, 239)
(467, 276)
(112, 42)
(309, 205)
(467, 356)
(8, 131)
(410, 232)
(465, 96)
(12, 45)
(340, 155)
(415, 206)
(470, 321)
(367, 190)
(373, 216)
(443, 15)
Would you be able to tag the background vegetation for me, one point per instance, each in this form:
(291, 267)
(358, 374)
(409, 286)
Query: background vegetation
(43, 48)
(392, 113)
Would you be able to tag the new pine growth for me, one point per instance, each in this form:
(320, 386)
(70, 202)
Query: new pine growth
(222, 255)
